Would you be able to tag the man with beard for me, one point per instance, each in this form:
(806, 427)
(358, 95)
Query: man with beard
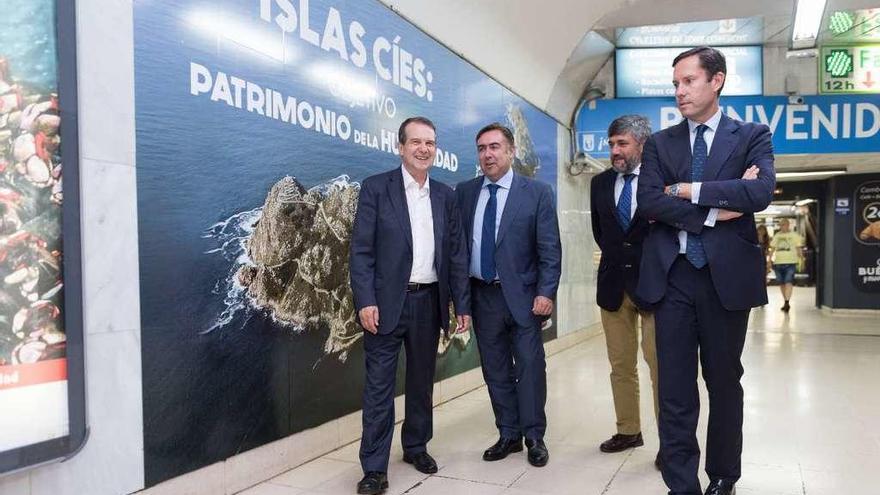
(408, 258)
(619, 232)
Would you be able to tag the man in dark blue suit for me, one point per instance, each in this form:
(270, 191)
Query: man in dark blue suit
(408, 257)
(701, 183)
(515, 263)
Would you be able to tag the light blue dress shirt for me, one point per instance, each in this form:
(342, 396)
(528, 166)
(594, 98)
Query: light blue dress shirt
(504, 184)
(708, 136)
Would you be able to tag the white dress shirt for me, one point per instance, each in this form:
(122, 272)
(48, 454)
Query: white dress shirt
(618, 189)
(418, 204)
(500, 200)
(708, 136)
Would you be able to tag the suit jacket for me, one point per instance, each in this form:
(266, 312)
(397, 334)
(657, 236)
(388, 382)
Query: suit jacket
(528, 252)
(382, 249)
(621, 250)
(735, 260)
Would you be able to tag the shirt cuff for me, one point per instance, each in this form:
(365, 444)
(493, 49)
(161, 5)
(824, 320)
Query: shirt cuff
(695, 192)
(711, 217)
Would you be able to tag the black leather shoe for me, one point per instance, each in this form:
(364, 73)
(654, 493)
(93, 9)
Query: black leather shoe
(423, 462)
(721, 487)
(373, 483)
(538, 455)
(657, 463)
(620, 442)
(501, 448)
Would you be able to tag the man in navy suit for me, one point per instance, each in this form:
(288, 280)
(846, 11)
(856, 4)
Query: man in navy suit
(515, 263)
(701, 183)
(619, 232)
(408, 257)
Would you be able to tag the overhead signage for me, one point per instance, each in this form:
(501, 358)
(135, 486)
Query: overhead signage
(744, 31)
(821, 124)
(647, 72)
(853, 26)
(849, 69)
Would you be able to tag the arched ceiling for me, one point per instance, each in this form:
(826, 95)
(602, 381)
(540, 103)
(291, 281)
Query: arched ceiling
(544, 49)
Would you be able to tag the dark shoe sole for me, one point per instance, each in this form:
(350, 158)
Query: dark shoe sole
(518, 448)
(373, 492)
(409, 460)
(540, 463)
(638, 443)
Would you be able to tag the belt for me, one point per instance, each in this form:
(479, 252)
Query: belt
(414, 286)
(482, 283)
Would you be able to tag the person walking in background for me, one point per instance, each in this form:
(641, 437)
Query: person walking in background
(785, 249)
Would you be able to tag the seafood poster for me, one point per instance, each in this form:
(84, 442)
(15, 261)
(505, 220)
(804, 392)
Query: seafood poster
(256, 121)
(33, 364)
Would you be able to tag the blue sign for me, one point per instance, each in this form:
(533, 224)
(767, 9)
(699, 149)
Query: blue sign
(256, 122)
(748, 31)
(646, 72)
(821, 124)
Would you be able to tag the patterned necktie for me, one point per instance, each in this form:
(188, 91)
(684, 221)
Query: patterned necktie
(694, 250)
(487, 241)
(624, 203)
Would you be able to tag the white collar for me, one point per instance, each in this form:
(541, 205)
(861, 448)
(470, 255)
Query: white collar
(409, 181)
(712, 123)
(505, 181)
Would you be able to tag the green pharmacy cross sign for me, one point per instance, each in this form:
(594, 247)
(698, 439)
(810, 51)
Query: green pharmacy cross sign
(849, 69)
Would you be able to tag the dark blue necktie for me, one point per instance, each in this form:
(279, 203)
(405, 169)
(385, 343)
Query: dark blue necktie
(694, 250)
(487, 241)
(624, 203)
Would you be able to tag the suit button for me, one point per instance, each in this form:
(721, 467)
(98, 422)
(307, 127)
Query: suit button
(626, 244)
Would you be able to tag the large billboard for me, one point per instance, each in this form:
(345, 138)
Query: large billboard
(42, 408)
(256, 121)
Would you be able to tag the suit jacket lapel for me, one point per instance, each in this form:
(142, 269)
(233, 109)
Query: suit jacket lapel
(398, 201)
(681, 153)
(471, 208)
(723, 144)
(511, 206)
(438, 214)
(608, 187)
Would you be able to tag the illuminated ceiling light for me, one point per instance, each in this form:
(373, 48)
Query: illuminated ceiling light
(789, 175)
(221, 26)
(807, 20)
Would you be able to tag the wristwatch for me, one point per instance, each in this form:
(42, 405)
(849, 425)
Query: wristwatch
(673, 189)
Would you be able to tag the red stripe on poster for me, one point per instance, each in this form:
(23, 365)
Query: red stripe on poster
(22, 375)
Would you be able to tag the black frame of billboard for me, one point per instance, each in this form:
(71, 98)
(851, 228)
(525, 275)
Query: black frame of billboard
(683, 48)
(63, 448)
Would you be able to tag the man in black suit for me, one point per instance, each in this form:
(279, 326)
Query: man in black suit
(407, 258)
(515, 263)
(619, 232)
(701, 183)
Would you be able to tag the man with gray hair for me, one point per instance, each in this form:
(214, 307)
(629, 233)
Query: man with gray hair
(619, 232)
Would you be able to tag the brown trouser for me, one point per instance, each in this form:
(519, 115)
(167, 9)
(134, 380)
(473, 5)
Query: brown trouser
(622, 339)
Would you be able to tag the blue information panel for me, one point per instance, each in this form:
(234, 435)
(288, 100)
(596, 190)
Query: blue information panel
(821, 124)
(645, 72)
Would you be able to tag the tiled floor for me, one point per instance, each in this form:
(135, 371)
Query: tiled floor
(812, 397)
